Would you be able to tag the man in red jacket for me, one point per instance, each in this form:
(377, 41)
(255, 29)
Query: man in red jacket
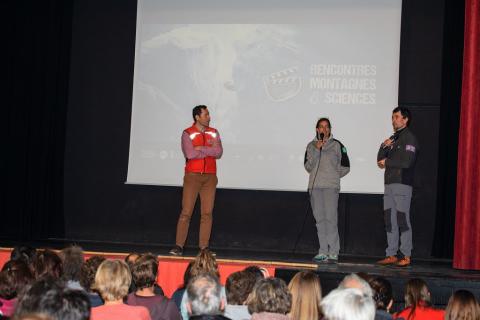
(201, 146)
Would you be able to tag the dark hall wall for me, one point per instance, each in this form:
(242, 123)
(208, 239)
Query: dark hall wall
(91, 147)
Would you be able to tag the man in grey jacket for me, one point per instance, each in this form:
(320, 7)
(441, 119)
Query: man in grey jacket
(326, 161)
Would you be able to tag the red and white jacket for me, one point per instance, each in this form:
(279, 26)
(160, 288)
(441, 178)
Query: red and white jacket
(203, 159)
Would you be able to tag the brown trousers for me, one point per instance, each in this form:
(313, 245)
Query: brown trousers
(193, 185)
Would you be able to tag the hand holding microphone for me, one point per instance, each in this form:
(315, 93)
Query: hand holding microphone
(388, 142)
(320, 141)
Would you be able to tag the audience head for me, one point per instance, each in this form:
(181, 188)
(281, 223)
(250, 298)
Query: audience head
(306, 296)
(144, 271)
(347, 304)
(462, 305)
(15, 276)
(270, 295)
(238, 286)
(46, 263)
(204, 263)
(382, 293)
(112, 280)
(260, 273)
(354, 281)
(88, 270)
(416, 291)
(204, 295)
(131, 258)
(50, 298)
(24, 253)
(33, 316)
(72, 258)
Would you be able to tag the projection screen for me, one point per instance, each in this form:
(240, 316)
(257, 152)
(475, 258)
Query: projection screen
(267, 70)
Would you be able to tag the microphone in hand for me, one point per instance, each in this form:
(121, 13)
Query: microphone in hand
(388, 143)
(320, 140)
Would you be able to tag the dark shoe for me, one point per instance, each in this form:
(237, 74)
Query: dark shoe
(176, 251)
(404, 262)
(388, 260)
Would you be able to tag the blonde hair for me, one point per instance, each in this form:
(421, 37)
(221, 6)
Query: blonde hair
(306, 296)
(112, 280)
(462, 305)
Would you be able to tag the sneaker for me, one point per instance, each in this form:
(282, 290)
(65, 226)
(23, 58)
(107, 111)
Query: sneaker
(333, 257)
(404, 262)
(320, 257)
(176, 251)
(388, 260)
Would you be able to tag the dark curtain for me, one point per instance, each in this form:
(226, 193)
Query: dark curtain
(467, 222)
(451, 91)
(36, 48)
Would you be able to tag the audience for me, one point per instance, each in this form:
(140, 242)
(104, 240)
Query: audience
(46, 263)
(144, 273)
(417, 303)
(260, 273)
(306, 296)
(50, 298)
(87, 279)
(72, 259)
(41, 285)
(14, 277)
(204, 263)
(238, 287)
(353, 281)
(204, 298)
(24, 253)
(270, 300)
(382, 296)
(112, 281)
(462, 305)
(348, 304)
(178, 294)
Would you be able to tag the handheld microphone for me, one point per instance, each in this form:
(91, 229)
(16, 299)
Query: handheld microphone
(322, 135)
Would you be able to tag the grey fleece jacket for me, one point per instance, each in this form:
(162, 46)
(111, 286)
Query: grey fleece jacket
(332, 163)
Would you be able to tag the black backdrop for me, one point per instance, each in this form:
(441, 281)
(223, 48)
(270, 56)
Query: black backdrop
(70, 73)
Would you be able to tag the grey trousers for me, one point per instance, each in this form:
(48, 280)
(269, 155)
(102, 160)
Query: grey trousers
(396, 206)
(324, 203)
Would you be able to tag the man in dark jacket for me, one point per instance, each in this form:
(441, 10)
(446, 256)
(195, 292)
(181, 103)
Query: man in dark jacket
(397, 155)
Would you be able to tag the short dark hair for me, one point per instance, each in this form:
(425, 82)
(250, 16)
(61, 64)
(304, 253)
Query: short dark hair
(72, 258)
(144, 271)
(24, 253)
(270, 295)
(47, 263)
(88, 270)
(382, 292)
(50, 297)
(324, 119)
(405, 112)
(238, 286)
(197, 111)
(256, 271)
